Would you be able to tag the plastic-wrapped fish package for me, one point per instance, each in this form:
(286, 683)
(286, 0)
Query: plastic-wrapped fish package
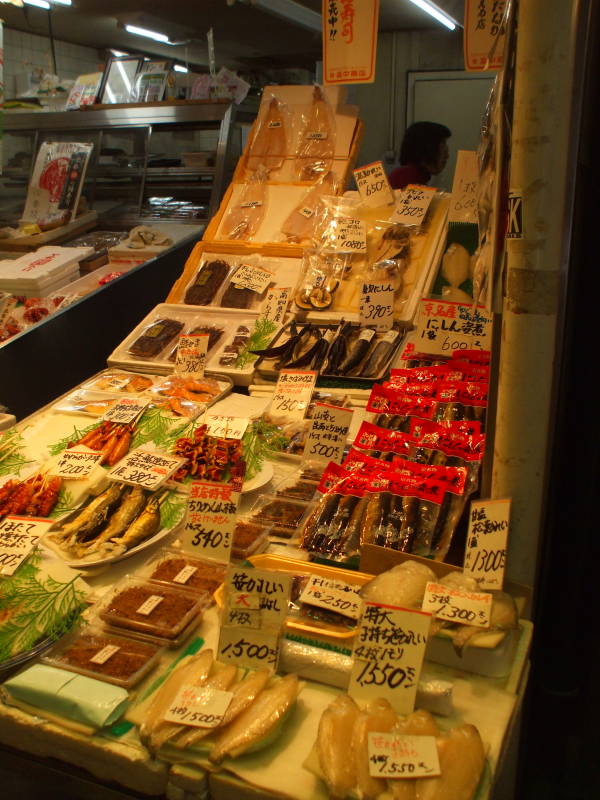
(246, 215)
(316, 142)
(304, 220)
(270, 143)
(393, 408)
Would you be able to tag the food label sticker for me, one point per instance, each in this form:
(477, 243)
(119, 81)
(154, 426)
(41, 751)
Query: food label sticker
(18, 536)
(274, 123)
(292, 393)
(328, 433)
(306, 212)
(149, 605)
(224, 427)
(185, 574)
(390, 337)
(333, 595)
(412, 205)
(254, 278)
(191, 354)
(76, 464)
(376, 304)
(463, 203)
(397, 755)
(199, 706)
(145, 468)
(210, 521)
(275, 304)
(389, 648)
(484, 33)
(373, 185)
(316, 135)
(456, 605)
(259, 590)
(485, 554)
(125, 410)
(103, 655)
(367, 334)
(249, 648)
(445, 328)
(251, 204)
(349, 236)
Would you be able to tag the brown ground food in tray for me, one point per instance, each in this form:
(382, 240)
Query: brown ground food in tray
(122, 665)
(301, 490)
(166, 619)
(206, 577)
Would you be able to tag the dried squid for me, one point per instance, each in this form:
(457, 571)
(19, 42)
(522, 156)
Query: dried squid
(246, 215)
(301, 223)
(269, 146)
(316, 148)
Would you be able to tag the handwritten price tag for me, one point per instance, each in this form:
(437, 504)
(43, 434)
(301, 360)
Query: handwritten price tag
(446, 328)
(210, 521)
(249, 648)
(250, 277)
(412, 205)
(125, 410)
(376, 304)
(388, 655)
(292, 393)
(463, 203)
(259, 590)
(328, 433)
(191, 354)
(333, 595)
(199, 706)
(485, 555)
(465, 608)
(349, 236)
(76, 464)
(145, 468)
(395, 755)
(225, 427)
(18, 537)
(275, 304)
(373, 185)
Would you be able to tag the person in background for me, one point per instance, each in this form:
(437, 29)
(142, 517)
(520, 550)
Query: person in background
(423, 153)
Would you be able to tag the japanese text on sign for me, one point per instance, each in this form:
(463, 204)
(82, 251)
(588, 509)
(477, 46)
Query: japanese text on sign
(191, 354)
(333, 595)
(225, 427)
(125, 410)
(328, 433)
(388, 654)
(445, 328)
(18, 537)
(463, 203)
(349, 236)
(250, 277)
(412, 205)
(259, 590)
(396, 755)
(485, 554)
(102, 656)
(373, 185)
(199, 706)
(456, 605)
(249, 648)
(145, 468)
(275, 304)
(210, 521)
(76, 464)
(377, 304)
(484, 34)
(349, 40)
(292, 393)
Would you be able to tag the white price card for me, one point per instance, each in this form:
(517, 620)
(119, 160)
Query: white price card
(444, 328)
(262, 590)
(349, 236)
(18, 536)
(125, 410)
(191, 354)
(199, 706)
(389, 648)
(210, 520)
(412, 204)
(328, 433)
(485, 554)
(292, 393)
(275, 304)
(373, 185)
(463, 202)
(148, 606)
(103, 655)
(376, 304)
(146, 468)
(76, 464)
(249, 648)
(225, 427)
(457, 605)
(247, 276)
(333, 595)
(400, 755)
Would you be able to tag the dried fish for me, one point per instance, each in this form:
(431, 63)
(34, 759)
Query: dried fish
(302, 221)
(269, 146)
(246, 215)
(334, 740)
(317, 142)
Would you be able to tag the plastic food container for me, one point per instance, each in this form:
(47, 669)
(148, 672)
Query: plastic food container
(178, 569)
(283, 515)
(296, 488)
(83, 401)
(114, 380)
(101, 655)
(249, 538)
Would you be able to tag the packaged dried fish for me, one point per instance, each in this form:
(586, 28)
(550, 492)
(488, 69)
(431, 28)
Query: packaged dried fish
(377, 441)
(301, 224)
(232, 350)
(246, 214)
(155, 338)
(209, 279)
(394, 408)
(269, 146)
(316, 148)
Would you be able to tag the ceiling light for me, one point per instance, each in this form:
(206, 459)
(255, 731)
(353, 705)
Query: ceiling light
(180, 68)
(117, 53)
(436, 13)
(63, 2)
(158, 37)
(38, 3)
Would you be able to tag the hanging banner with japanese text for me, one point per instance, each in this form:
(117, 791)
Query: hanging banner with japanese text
(349, 41)
(484, 35)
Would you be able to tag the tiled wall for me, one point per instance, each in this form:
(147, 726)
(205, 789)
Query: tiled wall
(25, 51)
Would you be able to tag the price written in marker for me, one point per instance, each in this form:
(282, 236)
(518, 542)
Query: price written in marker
(328, 433)
(247, 276)
(125, 410)
(210, 521)
(412, 205)
(275, 304)
(388, 655)
(454, 605)
(373, 185)
(145, 468)
(225, 427)
(18, 536)
(249, 648)
(293, 393)
(376, 304)
(463, 203)
(76, 464)
(485, 554)
(394, 755)
(444, 328)
(191, 354)
(333, 595)
(349, 236)
(199, 706)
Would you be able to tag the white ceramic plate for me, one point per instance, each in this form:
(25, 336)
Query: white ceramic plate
(262, 478)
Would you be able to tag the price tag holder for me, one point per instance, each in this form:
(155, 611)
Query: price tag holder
(376, 304)
(275, 304)
(225, 427)
(328, 433)
(249, 648)
(412, 205)
(463, 203)
(485, 554)
(395, 755)
(210, 521)
(373, 185)
(350, 236)
(199, 706)
(454, 605)
(389, 648)
(333, 595)
(292, 393)
(125, 410)
(146, 468)
(18, 536)
(191, 354)
(444, 328)
(76, 464)
(250, 277)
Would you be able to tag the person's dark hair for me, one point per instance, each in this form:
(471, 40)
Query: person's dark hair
(421, 142)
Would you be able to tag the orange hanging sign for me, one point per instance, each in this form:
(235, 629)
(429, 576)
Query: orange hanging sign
(349, 41)
(484, 35)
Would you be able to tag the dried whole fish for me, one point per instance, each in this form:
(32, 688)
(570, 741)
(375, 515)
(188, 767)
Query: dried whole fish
(89, 521)
(246, 215)
(316, 148)
(269, 146)
(380, 355)
(357, 351)
(302, 221)
(128, 509)
(338, 349)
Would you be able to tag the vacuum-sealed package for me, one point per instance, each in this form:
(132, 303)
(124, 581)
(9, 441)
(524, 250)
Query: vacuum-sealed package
(270, 143)
(316, 145)
(245, 216)
(303, 221)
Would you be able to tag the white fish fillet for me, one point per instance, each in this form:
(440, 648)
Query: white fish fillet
(419, 723)
(378, 717)
(403, 585)
(316, 148)
(269, 146)
(334, 741)
(462, 758)
(302, 221)
(245, 217)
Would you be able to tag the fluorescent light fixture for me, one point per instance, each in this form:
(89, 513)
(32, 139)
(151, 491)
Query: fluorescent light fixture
(180, 68)
(37, 3)
(63, 2)
(118, 53)
(436, 13)
(158, 37)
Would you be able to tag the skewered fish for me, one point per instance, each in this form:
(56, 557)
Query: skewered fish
(269, 146)
(317, 143)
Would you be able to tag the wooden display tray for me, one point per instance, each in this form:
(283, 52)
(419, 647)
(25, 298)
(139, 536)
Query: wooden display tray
(25, 244)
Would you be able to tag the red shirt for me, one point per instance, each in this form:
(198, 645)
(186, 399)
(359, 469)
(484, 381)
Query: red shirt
(408, 173)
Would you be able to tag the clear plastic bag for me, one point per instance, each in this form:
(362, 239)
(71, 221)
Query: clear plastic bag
(270, 143)
(245, 215)
(317, 136)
